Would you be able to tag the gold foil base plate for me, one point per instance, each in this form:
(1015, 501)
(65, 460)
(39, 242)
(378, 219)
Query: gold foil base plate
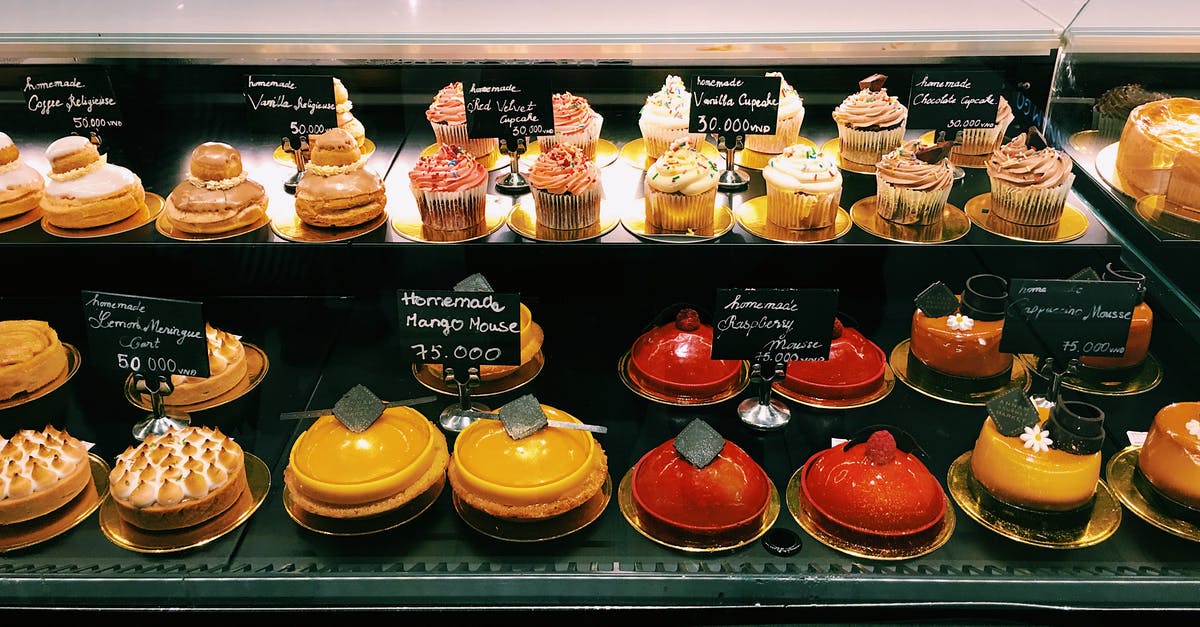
(1145, 377)
(21, 220)
(953, 225)
(1169, 217)
(889, 383)
(535, 530)
(523, 221)
(407, 224)
(49, 526)
(752, 216)
(141, 217)
(943, 388)
(743, 380)
(1119, 472)
(1072, 225)
(634, 221)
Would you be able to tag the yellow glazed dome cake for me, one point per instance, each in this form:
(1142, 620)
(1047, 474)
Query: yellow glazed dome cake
(549, 472)
(1170, 457)
(226, 367)
(178, 479)
(336, 472)
(40, 471)
(1156, 134)
(31, 356)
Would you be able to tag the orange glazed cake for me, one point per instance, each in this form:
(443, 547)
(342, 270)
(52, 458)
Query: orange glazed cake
(226, 367)
(1155, 135)
(1170, 457)
(178, 479)
(960, 335)
(40, 471)
(31, 356)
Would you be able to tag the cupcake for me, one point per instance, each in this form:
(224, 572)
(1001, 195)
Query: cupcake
(21, 186)
(913, 183)
(1112, 108)
(664, 117)
(574, 123)
(447, 114)
(787, 126)
(566, 190)
(450, 188)
(870, 122)
(345, 119)
(804, 188)
(681, 189)
(983, 141)
(1029, 186)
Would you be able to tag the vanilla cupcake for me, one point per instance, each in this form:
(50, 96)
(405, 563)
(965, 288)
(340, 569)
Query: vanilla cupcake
(787, 126)
(681, 190)
(913, 183)
(983, 141)
(664, 117)
(575, 123)
(870, 122)
(804, 188)
(566, 188)
(447, 114)
(1029, 186)
(450, 188)
(21, 186)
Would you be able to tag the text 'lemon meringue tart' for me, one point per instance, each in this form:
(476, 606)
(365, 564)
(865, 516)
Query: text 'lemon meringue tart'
(178, 479)
(31, 356)
(339, 473)
(40, 471)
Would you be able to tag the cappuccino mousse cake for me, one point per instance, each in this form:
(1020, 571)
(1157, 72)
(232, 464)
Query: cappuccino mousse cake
(959, 335)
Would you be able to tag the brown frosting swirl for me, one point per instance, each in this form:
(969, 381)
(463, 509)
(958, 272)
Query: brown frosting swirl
(1019, 164)
(868, 109)
(902, 168)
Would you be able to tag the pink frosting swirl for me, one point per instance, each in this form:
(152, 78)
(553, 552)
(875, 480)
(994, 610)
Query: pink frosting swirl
(448, 106)
(870, 109)
(452, 169)
(572, 113)
(564, 170)
(1024, 166)
(902, 168)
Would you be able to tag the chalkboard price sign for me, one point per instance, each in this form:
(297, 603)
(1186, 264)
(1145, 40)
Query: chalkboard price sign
(774, 326)
(72, 100)
(290, 106)
(734, 106)
(146, 335)
(954, 100)
(1065, 319)
(508, 107)
(460, 329)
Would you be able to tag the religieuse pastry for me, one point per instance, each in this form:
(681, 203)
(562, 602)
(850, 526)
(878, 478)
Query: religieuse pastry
(913, 183)
(31, 356)
(959, 335)
(21, 186)
(345, 118)
(566, 189)
(855, 368)
(216, 197)
(450, 188)
(681, 190)
(85, 190)
(337, 190)
(1156, 135)
(1169, 459)
(984, 141)
(700, 489)
(870, 123)
(575, 123)
(804, 188)
(364, 460)
(674, 360)
(520, 467)
(1113, 107)
(40, 471)
(447, 114)
(663, 118)
(226, 367)
(1029, 185)
(1137, 342)
(1044, 458)
(869, 490)
(178, 479)
(532, 335)
(787, 124)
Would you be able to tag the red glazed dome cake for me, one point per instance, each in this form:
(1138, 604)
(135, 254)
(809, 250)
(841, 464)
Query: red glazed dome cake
(675, 360)
(872, 491)
(855, 369)
(1170, 457)
(700, 489)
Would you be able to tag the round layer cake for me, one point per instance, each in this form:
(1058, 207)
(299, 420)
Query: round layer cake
(532, 337)
(1170, 456)
(724, 501)
(873, 491)
(338, 473)
(855, 368)
(1155, 135)
(40, 471)
(675, 360)
(226, 368)
(548, 473)
(178, 479)
(31, 356)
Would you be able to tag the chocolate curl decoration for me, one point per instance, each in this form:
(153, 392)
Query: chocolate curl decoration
(873, 82)
(1032, 133)
(935, 153)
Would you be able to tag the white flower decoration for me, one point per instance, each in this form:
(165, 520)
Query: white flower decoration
(1193, 427)
(1036, 439)
(959, 322)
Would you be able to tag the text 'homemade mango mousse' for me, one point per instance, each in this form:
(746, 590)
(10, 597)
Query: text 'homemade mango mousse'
(364, 459)
(532, 335)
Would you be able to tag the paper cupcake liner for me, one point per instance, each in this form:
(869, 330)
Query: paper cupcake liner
(909, 206)
(787, 132)
(585, 139)
(456, 134)
(1110, 126)
(1031, 206)
(658, 138)
(866, 147)
(679, 213)
(981, 141)
(567, 211)
(450, 211)
(801, 210)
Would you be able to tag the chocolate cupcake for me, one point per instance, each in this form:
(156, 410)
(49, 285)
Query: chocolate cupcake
(1029, 185)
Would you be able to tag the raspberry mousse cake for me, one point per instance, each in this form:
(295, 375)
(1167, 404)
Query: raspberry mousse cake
(855, 369)
(674, 361)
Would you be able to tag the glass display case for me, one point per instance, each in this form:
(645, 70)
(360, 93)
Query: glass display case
(323, 311)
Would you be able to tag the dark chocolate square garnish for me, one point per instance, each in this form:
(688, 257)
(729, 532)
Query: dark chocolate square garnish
(474, 283)
(1086, 274)
(523, 417)
(358, 409)
(1012, 411)
(937, 300)
(699, 443)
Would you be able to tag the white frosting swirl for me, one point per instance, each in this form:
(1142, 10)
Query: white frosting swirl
(331, 170)
(217, 185)
(801, 168)
(95, 184)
